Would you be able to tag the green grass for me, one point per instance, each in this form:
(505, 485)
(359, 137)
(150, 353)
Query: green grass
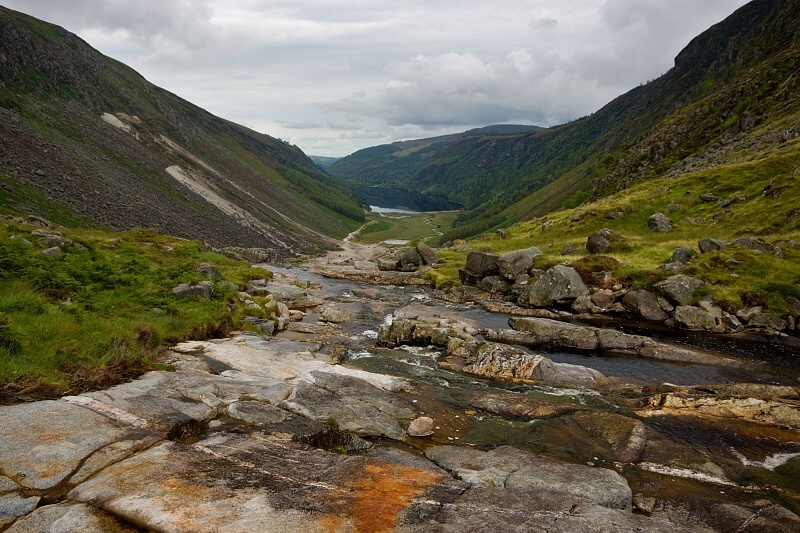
(104, 309)
(399, 226)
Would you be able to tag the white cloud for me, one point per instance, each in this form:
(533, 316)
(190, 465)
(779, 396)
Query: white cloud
(336, 75)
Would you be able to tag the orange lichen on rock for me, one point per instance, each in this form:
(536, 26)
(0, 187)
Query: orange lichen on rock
(384, 491)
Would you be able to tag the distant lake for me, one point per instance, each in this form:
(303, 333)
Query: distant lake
(382, 210)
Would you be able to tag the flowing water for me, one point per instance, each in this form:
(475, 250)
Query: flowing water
(741, 451)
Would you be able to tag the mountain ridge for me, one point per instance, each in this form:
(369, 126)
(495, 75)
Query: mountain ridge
(505, 180)
(87, 139)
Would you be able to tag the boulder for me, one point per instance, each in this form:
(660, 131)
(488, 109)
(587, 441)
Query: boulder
(333, 314)
(515, 404)
(682, 255)
(659, 222)
(610, 436)
(478, 266)
(694, 318)
(204, 289)
(429, 255)
(409, 261)
(768, 321)
(644, 304)
(679, 288)
(710, 245)
(387, 264)
(513, 264)
(494, 285)
(558, 284)
(501, 362)
(603, 298)
(254, 412)
(751, 243)
(533, 332)
(208, 271)
(605, 240)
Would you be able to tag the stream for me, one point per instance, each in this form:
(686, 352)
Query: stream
(706, 448)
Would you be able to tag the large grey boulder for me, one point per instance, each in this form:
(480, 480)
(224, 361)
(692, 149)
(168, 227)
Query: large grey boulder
(208, 271)
(409, 261)
(535, 332)
(694, 318)
(204, 289)
(751, 243)
(558, 284)
(644, 304)
(334, 314)
(680, 288)
(518, 262)
(659, 222)
(478, 266)
(429, 255)
(682, 255)
(605, 240)
(708, 245)
(501, 362)
(768, 321)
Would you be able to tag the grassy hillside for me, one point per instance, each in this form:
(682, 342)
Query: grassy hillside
(103, 310)
(758, 198)
(727, 81)
(85, 138)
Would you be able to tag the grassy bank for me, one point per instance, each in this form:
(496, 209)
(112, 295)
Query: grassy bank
(102, 310)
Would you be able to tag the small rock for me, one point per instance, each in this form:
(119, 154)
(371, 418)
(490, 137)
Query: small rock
(710, 197)
(421, 427)
(52, 252)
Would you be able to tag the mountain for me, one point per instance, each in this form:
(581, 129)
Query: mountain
(384, 172)
(324, 162)
(730, 95)
(85, 139)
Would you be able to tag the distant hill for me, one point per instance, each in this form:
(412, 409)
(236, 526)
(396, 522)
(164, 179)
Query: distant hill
(86, 140)
(324, 162)
(385, 172)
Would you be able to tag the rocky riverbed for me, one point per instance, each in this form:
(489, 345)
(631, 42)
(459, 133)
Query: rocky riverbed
(380, 408)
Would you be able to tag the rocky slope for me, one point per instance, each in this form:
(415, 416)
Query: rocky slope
(84, 138)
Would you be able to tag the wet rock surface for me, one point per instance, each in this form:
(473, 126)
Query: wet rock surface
(291, 431)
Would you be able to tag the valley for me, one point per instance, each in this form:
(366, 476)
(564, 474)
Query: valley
(593, 326)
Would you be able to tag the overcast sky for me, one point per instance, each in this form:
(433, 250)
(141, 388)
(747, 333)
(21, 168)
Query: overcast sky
(334, 76)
